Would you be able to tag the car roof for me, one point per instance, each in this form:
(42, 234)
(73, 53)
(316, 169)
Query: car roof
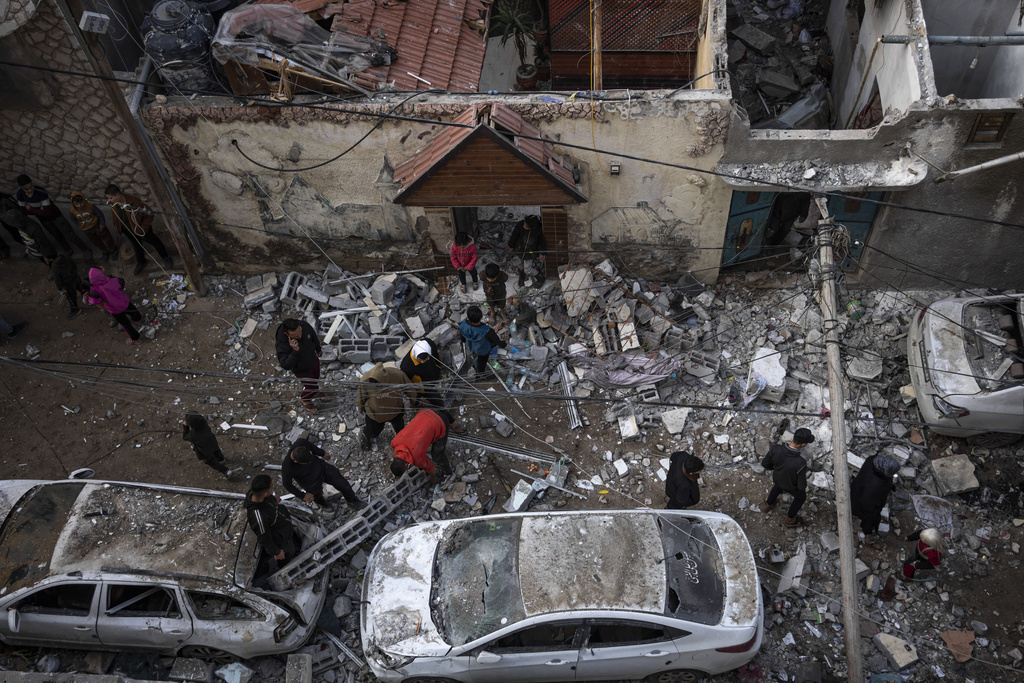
(67, 526)
(592, 561)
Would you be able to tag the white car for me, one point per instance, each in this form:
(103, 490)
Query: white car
(570, 596)
(965, 366)
(119, 566)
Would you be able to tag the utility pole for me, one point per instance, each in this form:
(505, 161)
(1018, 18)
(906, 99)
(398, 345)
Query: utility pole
(72, 11)
(840, 471)
(597, 76)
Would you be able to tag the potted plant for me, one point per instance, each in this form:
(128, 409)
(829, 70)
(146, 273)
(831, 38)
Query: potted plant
(542, 59)
(510, 19)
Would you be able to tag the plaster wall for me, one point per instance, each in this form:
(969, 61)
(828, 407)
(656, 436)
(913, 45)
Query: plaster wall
(58, 128)
(952, 63)
(894, 67)
(253, 217)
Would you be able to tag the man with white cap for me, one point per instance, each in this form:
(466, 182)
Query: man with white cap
(423, 367)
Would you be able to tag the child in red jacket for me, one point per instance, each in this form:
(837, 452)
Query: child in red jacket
(464, 255)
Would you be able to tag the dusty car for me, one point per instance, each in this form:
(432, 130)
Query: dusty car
(964, 357)
(120, 566)
(572, 596)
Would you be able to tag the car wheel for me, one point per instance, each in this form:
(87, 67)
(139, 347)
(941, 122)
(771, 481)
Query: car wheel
(210, 654)
(677, 676)
(993, 439)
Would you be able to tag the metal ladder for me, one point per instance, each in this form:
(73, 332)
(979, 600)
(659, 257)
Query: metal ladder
(336, 544)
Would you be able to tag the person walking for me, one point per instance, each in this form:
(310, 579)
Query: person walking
(65, 278)
(31, 233)
(480, 338)
(869, 492)
(109, 292)
(270, 521)
(134, 219)
(306, 466)
(927, 551)
(380, 398)
(789, 474)
(681, 485)
(428, 431)
(464, 255)
(93, 224)
(35, 201)
(528, 245)
(196, 431)
(299, 350)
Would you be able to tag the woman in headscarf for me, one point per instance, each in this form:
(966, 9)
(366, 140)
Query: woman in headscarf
(870, 490)
(196, 430)
(927, 553)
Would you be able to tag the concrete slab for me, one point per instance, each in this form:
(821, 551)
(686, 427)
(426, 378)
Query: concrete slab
(576, 290)
(767, 364)
(900, 653)
(755, 38)
(248, 328)
(864, 368)
(955, 474)
(299, 669)
(791, 581)
(830, 541)
(628, 427)
(189, 669)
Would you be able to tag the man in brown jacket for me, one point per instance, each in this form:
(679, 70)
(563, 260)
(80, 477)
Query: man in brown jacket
(133, 219)
(380, 398)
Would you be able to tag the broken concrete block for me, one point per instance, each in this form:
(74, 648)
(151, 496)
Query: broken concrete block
(820, 480)
(443, 335)
(577, 290)
(295, 434)
(248, 328)
(628, 337)
(830, 541)
(621, 467)
(270, 280)
(776, 84)
(873, 583)
(314, 293)
(259, 297)
(860, 568)
(235, 672)
(703, 366)
(290, 289)
(954, 474)
(381, 291)
(188, 669)
(767, 364)
(522, 495)
(792, 580)
(505, 428)
(628, 427)
(755, 38)
(254, 283)
(900, 653)
(864, 368)
(414, 323)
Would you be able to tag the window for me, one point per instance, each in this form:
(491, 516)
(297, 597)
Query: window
(141, 601)
(989, 128)
(608, 634)
(73, 599)
(540, 638)
(213, 606)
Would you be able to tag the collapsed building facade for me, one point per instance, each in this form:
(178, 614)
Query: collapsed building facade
(863, 99)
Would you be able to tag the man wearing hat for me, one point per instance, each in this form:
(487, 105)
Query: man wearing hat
(789, 474)
(681, 483)
(270, 521)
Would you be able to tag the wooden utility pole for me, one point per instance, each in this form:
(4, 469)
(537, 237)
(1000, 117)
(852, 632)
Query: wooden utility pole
(72, 11)
(597, 77)
(840, 470)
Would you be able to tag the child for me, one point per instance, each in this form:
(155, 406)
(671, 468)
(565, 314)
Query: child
(479, 337)
(65, 277)
(109, 292)
(927, 551)
(464, 256)
(494, 292)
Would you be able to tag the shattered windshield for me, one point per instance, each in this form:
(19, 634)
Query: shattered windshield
(696, 585)
(476, 584)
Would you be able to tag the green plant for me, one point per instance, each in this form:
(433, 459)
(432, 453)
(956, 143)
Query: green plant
(511, 19)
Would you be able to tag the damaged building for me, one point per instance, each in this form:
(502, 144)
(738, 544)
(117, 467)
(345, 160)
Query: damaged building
(377, 130)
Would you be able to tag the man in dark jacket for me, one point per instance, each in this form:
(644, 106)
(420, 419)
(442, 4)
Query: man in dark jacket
(529, 245)
(65, 277)
(299, 350)
(196, 431)
(270, 521)
(480, 338)
(134, 219)
(306, 465)
(789, 474)
(681, 483)
(35, 201)
(423, 367)
(870, 489)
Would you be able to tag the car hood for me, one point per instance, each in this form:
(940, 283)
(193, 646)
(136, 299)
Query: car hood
(947, 358)
(396, 612)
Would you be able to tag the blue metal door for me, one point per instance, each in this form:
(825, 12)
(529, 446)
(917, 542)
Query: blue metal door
(748, 221)
(857, 216)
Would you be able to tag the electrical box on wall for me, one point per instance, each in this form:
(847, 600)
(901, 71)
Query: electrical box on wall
(94, 22)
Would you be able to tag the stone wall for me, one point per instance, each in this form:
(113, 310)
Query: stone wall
(59, 128)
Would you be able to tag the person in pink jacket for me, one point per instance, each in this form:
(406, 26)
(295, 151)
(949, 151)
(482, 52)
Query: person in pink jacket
(109, 292)
(464, 259)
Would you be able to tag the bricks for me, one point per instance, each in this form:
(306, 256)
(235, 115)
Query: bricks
(289, 292)
(314, 293)
(443, 335)
(354, 350)
(259, 297)
(382, 291)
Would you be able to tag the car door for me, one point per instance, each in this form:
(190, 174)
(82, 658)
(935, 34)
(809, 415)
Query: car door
(626, 648)
(142, 616)
(542, 652)
(61, 615)
(218, 619)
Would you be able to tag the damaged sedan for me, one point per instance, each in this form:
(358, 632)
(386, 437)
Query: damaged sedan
(119, 566)
(590, 595)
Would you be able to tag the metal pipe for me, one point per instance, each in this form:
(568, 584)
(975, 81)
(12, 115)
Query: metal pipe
(520, 453)
(981, 167)
(979, 41)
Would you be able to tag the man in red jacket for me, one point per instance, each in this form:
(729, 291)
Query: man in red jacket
(428, 430)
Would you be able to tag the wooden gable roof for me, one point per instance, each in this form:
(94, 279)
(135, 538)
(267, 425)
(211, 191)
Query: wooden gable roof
(486, 165)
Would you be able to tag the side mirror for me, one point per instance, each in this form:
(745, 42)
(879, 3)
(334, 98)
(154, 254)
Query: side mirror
(486, 657)
(13, 620)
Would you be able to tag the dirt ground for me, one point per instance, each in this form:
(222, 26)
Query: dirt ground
(118, 413)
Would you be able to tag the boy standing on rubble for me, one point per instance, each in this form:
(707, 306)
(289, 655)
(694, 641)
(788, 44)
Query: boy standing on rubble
(789, 474)
(495, 292)
(480, 338)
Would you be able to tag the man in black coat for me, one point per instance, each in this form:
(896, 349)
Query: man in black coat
(270, 521)
(870, 489)
(298, 350)
(789, 474)
(306, 465)
(681, 483)
(529, 245)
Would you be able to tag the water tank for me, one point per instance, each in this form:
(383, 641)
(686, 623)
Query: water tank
(177, 36)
